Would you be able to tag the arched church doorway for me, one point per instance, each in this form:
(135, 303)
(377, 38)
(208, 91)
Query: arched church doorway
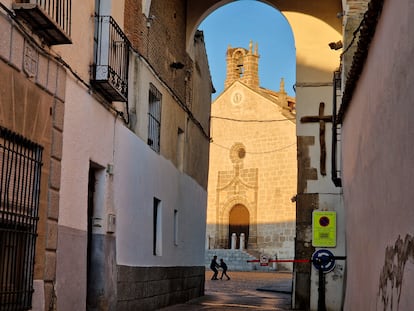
(239, 221)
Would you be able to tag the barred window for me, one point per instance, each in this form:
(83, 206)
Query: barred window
(336, 131)
(20, 168)
(154, 118)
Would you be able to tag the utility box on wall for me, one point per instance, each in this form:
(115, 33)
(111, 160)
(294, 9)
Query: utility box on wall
(111, 223)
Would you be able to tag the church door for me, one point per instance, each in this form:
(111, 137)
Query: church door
(239, 223)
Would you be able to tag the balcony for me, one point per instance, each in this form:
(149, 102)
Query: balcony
(110, 69)
(50, 19)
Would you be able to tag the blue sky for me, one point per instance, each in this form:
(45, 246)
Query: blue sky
(239, 22)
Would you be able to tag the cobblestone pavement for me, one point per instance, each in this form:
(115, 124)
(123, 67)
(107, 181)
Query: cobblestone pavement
(245, 291)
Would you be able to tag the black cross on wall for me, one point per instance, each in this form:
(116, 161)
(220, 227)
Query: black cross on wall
(322, 119)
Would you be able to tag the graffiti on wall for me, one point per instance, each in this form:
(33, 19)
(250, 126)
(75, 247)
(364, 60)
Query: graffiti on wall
(393, 273)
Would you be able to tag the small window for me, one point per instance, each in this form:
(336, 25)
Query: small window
(157, 228)
(175, 227)
(180, 149)
(154, 118)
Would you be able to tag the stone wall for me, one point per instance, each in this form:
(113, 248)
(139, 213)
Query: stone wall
(252, 164)
(32, 95)
(151, 288)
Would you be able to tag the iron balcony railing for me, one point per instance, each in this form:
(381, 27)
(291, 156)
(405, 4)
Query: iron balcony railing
(110, 69)
(50, 19)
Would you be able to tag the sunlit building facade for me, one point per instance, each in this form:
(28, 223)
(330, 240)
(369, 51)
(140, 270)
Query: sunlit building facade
(252, 173)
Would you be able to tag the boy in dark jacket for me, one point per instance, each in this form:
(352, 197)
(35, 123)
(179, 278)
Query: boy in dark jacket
(224, 267)
(213, 266)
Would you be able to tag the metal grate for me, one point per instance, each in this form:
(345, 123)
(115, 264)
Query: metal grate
(154, 118)
(336, 131)
(20, 167)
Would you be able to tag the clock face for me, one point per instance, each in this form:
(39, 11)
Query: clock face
(237, 98)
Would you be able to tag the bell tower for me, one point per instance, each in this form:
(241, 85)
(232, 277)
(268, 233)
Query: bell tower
(243, 65)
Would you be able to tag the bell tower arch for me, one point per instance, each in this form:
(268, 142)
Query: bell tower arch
(242, 65)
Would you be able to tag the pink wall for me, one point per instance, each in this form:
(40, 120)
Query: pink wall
(378, 167)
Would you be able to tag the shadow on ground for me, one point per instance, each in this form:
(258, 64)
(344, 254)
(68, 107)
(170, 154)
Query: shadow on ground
(245, 291)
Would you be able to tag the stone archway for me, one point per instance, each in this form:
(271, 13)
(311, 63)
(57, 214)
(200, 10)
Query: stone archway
(239, 222)
(315, 24)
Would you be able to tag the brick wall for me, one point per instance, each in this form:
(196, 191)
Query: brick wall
(163, 41)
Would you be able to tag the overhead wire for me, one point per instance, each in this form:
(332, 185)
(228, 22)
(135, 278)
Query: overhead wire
(252, 120)
(262, 152)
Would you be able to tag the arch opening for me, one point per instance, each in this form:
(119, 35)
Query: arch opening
(239, 221)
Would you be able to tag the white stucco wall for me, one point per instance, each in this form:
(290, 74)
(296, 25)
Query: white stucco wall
(378, 167)
(88, 136)
(140, 174)
(92, 134)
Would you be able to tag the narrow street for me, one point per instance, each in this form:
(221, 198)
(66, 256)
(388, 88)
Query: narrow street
(245, 291)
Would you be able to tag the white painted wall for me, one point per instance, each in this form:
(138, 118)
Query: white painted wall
(93, 134)
(7, 3)
(88, 136)
(140, 174)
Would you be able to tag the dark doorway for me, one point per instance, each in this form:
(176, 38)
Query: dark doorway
(239, 220)
(96, 255)
(89, 265)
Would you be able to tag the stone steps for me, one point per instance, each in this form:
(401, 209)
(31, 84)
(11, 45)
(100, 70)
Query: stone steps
(236, 260)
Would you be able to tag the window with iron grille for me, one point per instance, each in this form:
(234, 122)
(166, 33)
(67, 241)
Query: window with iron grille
(20, 168)
(336, 131)
(154, 118)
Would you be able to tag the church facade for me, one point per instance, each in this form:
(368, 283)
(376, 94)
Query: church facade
(252, 171)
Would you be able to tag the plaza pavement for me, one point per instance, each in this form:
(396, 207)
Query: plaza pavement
(245, 291)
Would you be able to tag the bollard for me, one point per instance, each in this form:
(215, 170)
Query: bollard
(275, 263)
(241, 241)
(321, 291)
(233, 240)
